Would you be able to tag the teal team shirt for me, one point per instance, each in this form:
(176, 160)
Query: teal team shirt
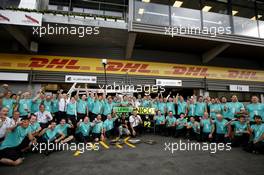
(81, 106)
(23, 105)
(55, 105)
(207, 125)
(15, 137)
(108, 124)
(48, 106)
(161, 107)
(155, 105)
(34, 127)
(97, 129)
(108, 107)
(35, 105)
(171, 107)
(98, 107)
(90, 102)
(9, 103)
(63, 128)
(191, 110)
(170, 121)
(181, 123)
(224, 110)
(84, 128)
(160, 119)
(258, 131)
(214, 109)
(255, 109)
(50, 134)
(195, 127)
(220, 126)
(200, 108)
(71, 108)
(182, 107)
(239, 128)
(234, 108)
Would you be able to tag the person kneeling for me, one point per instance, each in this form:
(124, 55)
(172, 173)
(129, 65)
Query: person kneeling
(83, 130)
(193, 129)
(97, 131)
(135, 124)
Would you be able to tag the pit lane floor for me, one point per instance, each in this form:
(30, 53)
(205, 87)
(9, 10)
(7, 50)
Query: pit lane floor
(144, 159)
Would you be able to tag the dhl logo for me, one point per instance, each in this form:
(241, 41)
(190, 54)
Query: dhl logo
(76, 64)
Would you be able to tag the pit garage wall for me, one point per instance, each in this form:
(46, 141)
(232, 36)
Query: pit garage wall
(41, 77)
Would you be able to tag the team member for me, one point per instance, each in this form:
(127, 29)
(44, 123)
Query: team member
(83, 130)
(162, 106)
(5, 123)
(181, 124)
(123, 125)
(255, 108)
(63, 127)
(241, 132)
(135, 124)
(170, 105)
(257, 145)
(200, 108)
(225, 108)
(159, 122)
(97, 131)
(191, 107)
(16, 120)
(109, 126)
(71, 110)
(9, 103)
(193, 129)
(34, 126)
(236, 107)
(16, 140)
(170, 124)
(108, 107)
(62, 100)
(98, 105)
(207, 128)
(24, 105)
(55, 107)
(48, 103)
(82, 107)
(43, 116)
(214, 108)
(181, 105)
(221, 129)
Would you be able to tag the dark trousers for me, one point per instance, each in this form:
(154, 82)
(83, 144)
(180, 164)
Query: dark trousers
(160, 129)
(80, 116)
(59, 116)
(192, 135)
(93, 116)
(180, 132)
(138, 129)
(109, 133)
(205, 137)
(220, 138)
(240, 140)
(255, 147)
(170, 131)
(81, 138)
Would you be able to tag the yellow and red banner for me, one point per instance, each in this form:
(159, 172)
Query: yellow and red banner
(132, 67)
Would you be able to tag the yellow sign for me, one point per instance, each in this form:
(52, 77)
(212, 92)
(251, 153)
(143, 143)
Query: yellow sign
(93, 65)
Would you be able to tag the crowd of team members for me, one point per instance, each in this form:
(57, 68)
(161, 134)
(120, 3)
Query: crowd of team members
(62, 118)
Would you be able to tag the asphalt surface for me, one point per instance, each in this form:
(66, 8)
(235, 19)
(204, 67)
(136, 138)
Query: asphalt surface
(144, 159)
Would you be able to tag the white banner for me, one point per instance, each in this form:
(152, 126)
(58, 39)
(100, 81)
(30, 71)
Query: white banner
(168, 82)
(80, 79)
(239, 88)
(13, 76)
(20, 18)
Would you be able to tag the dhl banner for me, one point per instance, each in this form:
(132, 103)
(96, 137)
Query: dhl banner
(132, 67)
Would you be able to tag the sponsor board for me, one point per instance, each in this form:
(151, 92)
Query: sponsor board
(94, 65)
